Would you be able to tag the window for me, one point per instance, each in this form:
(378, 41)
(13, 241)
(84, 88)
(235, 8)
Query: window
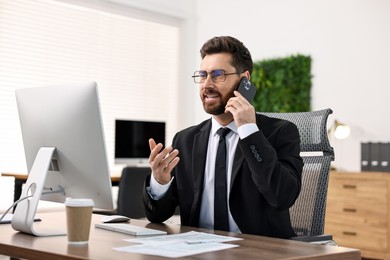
(134, 61)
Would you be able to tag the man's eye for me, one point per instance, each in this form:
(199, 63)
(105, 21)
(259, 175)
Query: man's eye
(218, 73)
(203, 74)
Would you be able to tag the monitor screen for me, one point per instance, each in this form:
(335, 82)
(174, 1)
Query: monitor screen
(131, 140)
(64, 147)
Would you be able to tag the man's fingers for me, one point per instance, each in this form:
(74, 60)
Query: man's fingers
(166, 161)
(163, 164)
(154, 151)
(172, 164)
(152, 144)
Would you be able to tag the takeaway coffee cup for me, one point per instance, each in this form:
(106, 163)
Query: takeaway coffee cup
(78, 219)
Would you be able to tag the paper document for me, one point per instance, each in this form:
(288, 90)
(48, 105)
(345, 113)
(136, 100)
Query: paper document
(179, 245)
(191, 237)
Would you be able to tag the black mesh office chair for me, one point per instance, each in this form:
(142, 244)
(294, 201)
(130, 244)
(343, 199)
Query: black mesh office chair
(308, 212)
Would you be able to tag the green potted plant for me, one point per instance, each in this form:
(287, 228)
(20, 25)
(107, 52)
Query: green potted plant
(283, 84)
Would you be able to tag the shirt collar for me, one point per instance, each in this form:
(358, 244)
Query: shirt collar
(215, 126)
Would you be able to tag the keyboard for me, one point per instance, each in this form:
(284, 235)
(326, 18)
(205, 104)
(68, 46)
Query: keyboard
(130, 229)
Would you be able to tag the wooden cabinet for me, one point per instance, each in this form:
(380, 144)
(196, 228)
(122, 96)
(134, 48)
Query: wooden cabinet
(357, 213)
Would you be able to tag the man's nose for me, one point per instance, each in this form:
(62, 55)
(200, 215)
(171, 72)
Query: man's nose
(208, 81)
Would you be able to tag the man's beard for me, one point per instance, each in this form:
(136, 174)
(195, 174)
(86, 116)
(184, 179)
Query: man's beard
(215, 110)
(219, 108)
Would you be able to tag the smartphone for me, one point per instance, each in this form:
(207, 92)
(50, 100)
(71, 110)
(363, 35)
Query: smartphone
(247, 89)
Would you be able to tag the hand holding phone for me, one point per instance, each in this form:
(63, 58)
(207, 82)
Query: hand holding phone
(247, 89)
(243, 112)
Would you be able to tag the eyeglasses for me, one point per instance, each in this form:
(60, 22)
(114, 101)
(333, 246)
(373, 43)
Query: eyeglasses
(200, 76)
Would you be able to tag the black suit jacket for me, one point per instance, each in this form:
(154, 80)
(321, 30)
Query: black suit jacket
(266, 178)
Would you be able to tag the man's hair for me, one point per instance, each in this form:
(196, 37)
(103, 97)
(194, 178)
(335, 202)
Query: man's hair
(241, 57)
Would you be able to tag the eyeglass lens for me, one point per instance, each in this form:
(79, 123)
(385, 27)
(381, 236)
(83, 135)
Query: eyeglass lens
(200, 76)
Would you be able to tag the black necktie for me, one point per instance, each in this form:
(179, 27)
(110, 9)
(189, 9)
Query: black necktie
(221, 220)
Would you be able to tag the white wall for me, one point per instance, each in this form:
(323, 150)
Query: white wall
(348, 41)
(185, 11)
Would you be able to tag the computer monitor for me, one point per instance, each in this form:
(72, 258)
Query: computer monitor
(64, 147)
(131, 140)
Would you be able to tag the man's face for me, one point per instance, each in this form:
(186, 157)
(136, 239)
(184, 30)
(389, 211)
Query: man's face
(215, 95)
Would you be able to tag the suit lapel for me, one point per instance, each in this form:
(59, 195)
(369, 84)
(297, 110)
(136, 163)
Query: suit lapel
(199, 163)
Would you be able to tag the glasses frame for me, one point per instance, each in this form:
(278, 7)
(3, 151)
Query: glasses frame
(198, 80)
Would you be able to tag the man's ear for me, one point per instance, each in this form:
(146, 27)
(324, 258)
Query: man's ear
(247, 74)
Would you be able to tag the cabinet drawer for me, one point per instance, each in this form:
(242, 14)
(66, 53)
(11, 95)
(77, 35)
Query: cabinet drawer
(358, 189)
(344, 211)
(357, 236)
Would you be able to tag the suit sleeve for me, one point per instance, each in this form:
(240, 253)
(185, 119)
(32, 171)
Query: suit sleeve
(158, 211)
(275, 164)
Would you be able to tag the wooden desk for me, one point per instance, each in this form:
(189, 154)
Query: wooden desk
(20, 179)
(101, 243)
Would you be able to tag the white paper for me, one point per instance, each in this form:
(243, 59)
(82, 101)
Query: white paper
(174, 250)
(188, 237)
(179, 245)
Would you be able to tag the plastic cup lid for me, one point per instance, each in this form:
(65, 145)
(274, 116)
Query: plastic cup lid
(79, 202)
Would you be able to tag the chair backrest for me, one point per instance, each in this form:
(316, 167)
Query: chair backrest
(308, 212)
(130, 192)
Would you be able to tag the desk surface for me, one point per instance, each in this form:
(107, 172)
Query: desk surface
(101, 243)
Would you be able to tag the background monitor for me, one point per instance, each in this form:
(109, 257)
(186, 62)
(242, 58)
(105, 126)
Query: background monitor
(131, 140)
(64, 148)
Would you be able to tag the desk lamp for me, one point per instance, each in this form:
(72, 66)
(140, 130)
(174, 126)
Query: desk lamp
(339, 130)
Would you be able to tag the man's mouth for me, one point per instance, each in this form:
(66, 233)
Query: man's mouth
(211, 98)
(211, 95)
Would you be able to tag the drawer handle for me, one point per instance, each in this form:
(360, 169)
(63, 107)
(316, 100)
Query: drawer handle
(349, 186)
(348, 233)
(349, 210)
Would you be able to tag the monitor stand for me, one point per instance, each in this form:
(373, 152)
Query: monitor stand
(23, 218)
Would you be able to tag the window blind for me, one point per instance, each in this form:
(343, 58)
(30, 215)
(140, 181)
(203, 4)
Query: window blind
(44, 42)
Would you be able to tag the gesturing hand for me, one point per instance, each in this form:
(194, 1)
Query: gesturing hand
(162, 161)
